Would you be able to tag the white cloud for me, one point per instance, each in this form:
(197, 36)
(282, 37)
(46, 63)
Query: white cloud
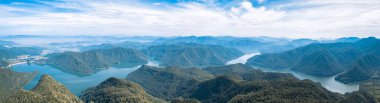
(311, 18)
(260, 1)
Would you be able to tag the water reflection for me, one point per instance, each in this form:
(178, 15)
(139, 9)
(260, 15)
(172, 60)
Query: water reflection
(74, 83)
(243, 59)
(327, 82)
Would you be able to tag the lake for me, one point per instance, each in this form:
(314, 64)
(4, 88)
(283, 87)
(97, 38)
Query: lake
(243, 59)
(77, 84)
(74, 83)
(328, 82)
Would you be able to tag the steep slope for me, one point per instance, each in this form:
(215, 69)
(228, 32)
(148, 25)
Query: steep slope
(115, 90)
(246, 72)
(11, 81)
(363, 69)
(322, 59)
(168, 83)
(46, 91)
(234, 90)
(233, 68)
(240, 83)
(318, 63)
(190, 55)
(90, 62)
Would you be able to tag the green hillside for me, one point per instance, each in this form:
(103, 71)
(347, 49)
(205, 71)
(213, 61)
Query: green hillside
(11, 81)
(191, 55)
(168, 83)
(47, 91)
(90, 62)
(115, 90)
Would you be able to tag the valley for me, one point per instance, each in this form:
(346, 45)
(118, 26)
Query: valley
(155, 71)
(189, 51)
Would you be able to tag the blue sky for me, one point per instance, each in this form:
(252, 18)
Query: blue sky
(276, 18)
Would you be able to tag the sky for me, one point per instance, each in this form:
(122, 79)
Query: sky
(245, 18)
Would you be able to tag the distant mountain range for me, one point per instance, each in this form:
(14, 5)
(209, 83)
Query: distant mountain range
(7, 43)
(193, 70)
(125, 44)
(191, 55)
(242, 44)
(13, 52)
(357, 60)
(90, 62)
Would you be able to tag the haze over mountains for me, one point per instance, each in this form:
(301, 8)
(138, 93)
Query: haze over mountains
(191, 55)
(90, 62)
(327, 59)
(48, 90)
(193, 69)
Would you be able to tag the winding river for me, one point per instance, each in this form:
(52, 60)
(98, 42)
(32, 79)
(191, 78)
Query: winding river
(74, 83)
(77, 84)
(328, 82)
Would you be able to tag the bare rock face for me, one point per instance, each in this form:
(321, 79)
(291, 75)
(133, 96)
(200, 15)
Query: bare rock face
(115, 90)
(47, 91)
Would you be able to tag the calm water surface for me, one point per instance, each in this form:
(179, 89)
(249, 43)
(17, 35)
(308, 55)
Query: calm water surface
(243, 59)
(328, 82)
(74, 83)
(77, 84)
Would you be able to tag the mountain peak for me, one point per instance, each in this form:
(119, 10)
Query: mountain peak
(119, 91)
(47, 90)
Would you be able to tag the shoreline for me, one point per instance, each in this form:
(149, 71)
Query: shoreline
(34, 77)
(17, 63)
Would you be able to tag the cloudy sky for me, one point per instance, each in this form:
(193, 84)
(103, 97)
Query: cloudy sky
(276, 18)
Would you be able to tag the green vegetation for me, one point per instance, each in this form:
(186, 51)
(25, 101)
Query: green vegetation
(181, 100)
(13, 52)
(359, 97)
(255, 86)
(3, 63)
(115, 90)
(365, 68)
(316, 63)
(93, 61)
(46, 91)
(325, 59)
(191, 55)
(168, 83)
(235, 83)
(11, 81)
(125, 44)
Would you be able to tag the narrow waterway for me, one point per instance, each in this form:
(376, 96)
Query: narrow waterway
(328, 82)
(74, 83)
